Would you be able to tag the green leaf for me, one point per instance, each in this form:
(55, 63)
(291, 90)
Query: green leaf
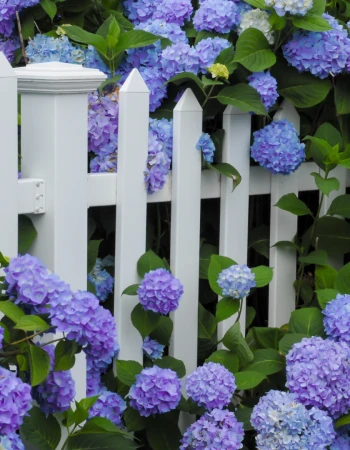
(206, 323)
(39, 363)
(168, 362)
(342, 96)
(26, 234)
(288, 340)
(226, 308)
(77, 34)
(28, 31)
(127, 371)
(186, 76)
(93, 248)
(342, 281)
(135, 39)
(268, 337)
(113, 34)
(242, 96)
(333, 234)
(4, 261)
(263, 275)
(131, 290)
(319, 150)
(105, 441)
(316, 257)
(266, 361)
(259, 240)
(257, 3)
(325, 277)
(311, 22)
(163, 434)
(226, 358)
(41, 430)
(248, 380)
(226, 57)
(340, 206)
(318, 7)
(307, 321)
(206, 252)
(326, 295)
(234, 341)
(286, 244)
(302, 287)
(243, 415)
(163, 331)
(149, 261)
(228, 171)
(32, 323)
(250, 316)
(144, 321)
(49, 7)
(216, 266)
(65, 355)
(343, 421)
(133, 420)
(292, 204)
(326, 186)
(11, 310)
(253, 51)
(81, 412)
(100, 424)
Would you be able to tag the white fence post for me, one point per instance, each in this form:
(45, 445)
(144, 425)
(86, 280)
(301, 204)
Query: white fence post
(234, 208)
(185, 225)
(283, 227)
(130, 241)
(54, 147)
(9, 159)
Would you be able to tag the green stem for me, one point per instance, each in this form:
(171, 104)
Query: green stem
(13, 353)
(208, 96)
(28, 338)
(240, 311)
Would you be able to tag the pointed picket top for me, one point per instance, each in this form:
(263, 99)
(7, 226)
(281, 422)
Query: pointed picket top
(234, 111)
(188, 102)
(288, 112)
(6, 70)
(135, 84)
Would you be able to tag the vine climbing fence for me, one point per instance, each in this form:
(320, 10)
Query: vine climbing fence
(56, 191)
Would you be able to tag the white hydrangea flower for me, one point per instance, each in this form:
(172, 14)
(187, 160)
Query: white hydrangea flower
(291, 6)
(257, 19)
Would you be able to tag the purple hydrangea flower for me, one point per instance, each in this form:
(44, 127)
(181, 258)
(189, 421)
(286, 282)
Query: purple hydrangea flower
(153, 77)
(43, 48)
(283, 423)
(277, 148)
(102, 280)
(298, 7)
(158, 164)
(11, 441)
(208, 50)
(141, 10)
(110, 406)
(160, 292)
(174, 11)
(318, 372)
(8, 10)
(57, 392)
(177, 58)
(163, 130)
(9, 46)
(216, 430)
(266, 85)
(152, 348)
(342, 440)
(321, 53)
(164, 28)
(2, 330)
(236, 281)
(103, 164)
(211, 386)
(207, 147)
(156, 391)
(337, 318)
(94, 385)
(15, 401)
(216, 15)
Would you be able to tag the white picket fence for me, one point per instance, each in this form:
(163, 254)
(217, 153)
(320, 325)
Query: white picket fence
(56, 191)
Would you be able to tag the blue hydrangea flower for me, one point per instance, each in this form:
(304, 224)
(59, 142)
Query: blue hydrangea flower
(15, 402)
(94, 385)
(156, 391)
(102, 164)
(207, 147)
(216, 15)
(177, 58)
(141, 10)
(43, 48)
(208, 50)
(174, 11)
(321, 54)
(266, 85)
(318, 373)
(163, 131)
(277, 148)
(211, 386)
(216, 430)
(9, 46)
(152, 348)
(2, 330)
(282, 7)
(160, 292)
(102, 280)
(154, 79)
(342, 440)
(110, 406)
(92, 60)
(11, 442)
(283, 423)
(158, 164)
(337, 318)
(236, 281)
(8, 10)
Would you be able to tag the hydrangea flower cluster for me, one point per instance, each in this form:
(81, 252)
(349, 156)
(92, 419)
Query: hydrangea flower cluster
(2, 330)
(282, 7)
(110, 406)
(337, 318)
(266, 85)
(141, 10)
(282, 422)
(216, 15)
(163, 130)
(172, 11)
(103, 164)
(256, 18)
(236, 281)
(158, 164)
(101, 279)
(58, 390)
(207, 147)
(152, 348)
(11, 442)
(160, 292)
(215, 430)
(8, 10)
(219, 71)
(211, 386)
(156, 391)
(177, 58)
(15, 401)
(342, 440)
(208, 50)
(44, 48)
(8, 47)
(321, 54)
(318, 373)
(277, 148)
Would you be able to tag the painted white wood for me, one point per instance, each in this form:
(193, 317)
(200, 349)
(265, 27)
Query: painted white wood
(9, 159)
(283, 227)
(185, 226)
(131, 207)
(31, 196)
(54, 147)
(234, 210)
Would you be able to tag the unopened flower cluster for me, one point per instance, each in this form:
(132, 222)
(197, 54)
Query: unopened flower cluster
(337, 318)
(256, 18)
(236, 281)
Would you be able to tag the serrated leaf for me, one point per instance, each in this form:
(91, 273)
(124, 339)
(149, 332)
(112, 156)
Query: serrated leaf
(77, 34)
(325, 277)
(32, 323)
(248, 380)
(266, 361)
(135, 39)
(293, 204)
(41, 430)
(242, 96)
(11, 310)
(127, 371)
(268, 337)
(340, 206)
(307, 321)
(333, 234)
(168, 362)
(263, 275)
(311, 22)
(39, 363)
(324, 296)
(253, 51)
(149, 261)
(144, 321)
(342, 280)
(226, 308)
(49, 7)
(288, 340)
(227, 358)
(326, 186)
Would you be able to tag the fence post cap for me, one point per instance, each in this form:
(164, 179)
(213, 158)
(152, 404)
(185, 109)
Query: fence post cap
(6, 71)
(188, 102)
(58, 78)
(135, 84)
